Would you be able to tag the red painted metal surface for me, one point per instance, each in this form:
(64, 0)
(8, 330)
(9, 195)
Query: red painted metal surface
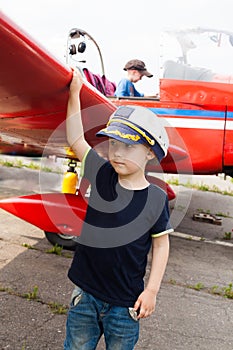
(58, 212)
(203, 146)
(52, 212)
(163, 185)
(34, 93)
(33, 97)
(197, 92)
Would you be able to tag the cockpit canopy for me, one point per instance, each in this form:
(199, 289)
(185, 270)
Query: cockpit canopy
(197, 54)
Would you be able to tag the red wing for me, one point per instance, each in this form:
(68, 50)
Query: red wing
(51, 212)
(33, 95)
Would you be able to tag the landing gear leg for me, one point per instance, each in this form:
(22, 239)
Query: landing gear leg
(69, 185)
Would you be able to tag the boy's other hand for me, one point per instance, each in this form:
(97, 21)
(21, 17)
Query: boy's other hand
(145, 304)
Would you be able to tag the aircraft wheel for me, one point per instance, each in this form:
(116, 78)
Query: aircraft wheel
(67, 242)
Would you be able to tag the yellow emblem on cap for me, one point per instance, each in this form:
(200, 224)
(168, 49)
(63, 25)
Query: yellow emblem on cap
(123, 135)
(134, 127)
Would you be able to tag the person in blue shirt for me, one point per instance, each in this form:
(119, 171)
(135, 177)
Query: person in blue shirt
(135, 69)
(126, 217)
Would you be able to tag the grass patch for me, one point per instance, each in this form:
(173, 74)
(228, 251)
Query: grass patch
(33, 295)
(227, 236)
(56, 249)
(28, 246)
(18, 163)
(57, 308)
(228, 291)
(199, 286)
(200, 187)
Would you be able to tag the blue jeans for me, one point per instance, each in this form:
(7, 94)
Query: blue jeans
(89, 318)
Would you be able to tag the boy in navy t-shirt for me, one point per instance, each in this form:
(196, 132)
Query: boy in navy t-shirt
(126, 216)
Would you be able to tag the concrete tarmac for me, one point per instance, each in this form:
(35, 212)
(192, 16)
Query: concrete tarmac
(192, 310)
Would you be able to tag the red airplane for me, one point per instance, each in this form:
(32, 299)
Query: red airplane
(195, 104)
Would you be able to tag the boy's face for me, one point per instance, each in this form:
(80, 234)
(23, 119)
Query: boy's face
(134, 75)
(128, 159)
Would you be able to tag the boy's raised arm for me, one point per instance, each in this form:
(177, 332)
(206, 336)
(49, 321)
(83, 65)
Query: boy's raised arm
(74, 126)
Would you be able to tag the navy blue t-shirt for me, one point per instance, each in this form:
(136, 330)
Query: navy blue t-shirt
(111, 256)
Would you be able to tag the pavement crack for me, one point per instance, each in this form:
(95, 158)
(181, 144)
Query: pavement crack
(55, 308)
(226, 292)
